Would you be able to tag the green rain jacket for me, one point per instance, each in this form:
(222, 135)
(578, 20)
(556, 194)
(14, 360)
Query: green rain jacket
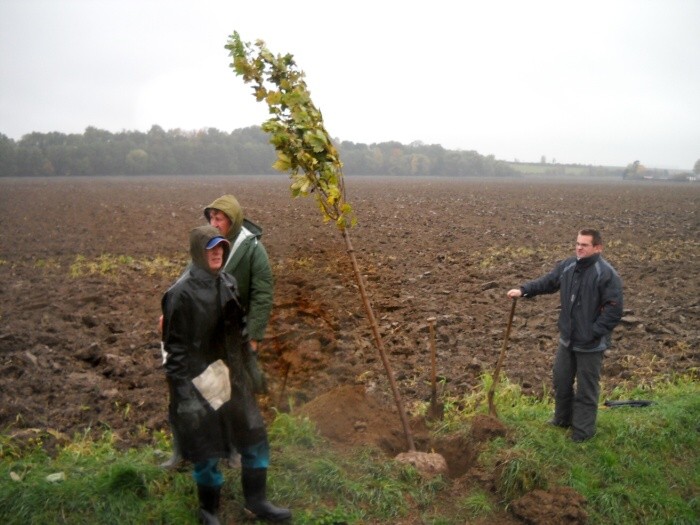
(249, 264)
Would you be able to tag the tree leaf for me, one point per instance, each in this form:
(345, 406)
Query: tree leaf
(283, 163)
(296, 127)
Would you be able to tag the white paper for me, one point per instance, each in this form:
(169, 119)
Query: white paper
(214, 384)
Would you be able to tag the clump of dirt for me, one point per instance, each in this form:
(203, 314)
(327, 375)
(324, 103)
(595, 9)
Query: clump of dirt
(347, 415)
(485, 427)
(557, 506)
(428, 464)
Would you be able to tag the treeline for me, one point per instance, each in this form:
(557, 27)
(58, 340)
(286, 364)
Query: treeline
(244, 151)
(637, 171)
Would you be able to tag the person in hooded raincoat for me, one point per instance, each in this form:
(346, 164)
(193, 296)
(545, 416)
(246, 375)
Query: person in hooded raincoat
(213, 410)
(248, 262)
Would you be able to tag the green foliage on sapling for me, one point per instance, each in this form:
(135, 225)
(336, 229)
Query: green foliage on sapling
(304, 147)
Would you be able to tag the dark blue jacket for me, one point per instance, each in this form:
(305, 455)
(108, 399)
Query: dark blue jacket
(591, 300)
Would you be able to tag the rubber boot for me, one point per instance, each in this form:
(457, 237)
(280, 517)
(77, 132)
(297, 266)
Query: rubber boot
(208, 504)
(254, 481)
(176, 459)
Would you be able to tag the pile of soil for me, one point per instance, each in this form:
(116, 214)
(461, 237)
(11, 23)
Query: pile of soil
(347, 415)
(85, 261)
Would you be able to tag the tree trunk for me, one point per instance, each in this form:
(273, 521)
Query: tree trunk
(378, 340)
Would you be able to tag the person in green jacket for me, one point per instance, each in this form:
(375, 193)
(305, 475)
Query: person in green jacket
(248, 263)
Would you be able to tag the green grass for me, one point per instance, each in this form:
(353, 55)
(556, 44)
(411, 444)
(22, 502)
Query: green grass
(642, 467)
(113, 265)
(555, 169)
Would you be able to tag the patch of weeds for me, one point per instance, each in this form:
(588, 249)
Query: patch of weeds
(161, 266)
(459, 410)
(105, 264)
(124, 479)
(494, 256)
(162, 439)
(337, 516)
(123, 409)
(47, 264)
(303, 262)
(656, 251)
(112, 265)
(476, 505)
(289, 430)
(519, 471)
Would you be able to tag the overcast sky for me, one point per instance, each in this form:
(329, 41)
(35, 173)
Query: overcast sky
(596, 82)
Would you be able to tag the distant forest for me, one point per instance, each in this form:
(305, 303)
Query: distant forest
(247, 151)
(244, 151)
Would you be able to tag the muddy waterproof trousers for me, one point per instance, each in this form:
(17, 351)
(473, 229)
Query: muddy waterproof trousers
(207, 472)
(577, 406)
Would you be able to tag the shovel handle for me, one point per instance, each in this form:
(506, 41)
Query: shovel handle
(496, 373)
(505, 340)
(433, 378)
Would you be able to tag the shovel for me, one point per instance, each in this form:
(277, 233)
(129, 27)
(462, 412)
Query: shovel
(492, 390)
(436, 410)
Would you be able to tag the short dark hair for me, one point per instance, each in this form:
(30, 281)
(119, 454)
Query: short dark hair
(595, 234)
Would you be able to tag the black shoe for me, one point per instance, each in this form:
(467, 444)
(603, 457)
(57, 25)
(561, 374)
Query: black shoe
(560, 424)
(580, 439)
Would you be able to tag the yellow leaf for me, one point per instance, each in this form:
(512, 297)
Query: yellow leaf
(273, 98)
(283, 163)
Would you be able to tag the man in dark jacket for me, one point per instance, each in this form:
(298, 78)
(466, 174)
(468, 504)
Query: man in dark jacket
(591, 306)
(212, 408)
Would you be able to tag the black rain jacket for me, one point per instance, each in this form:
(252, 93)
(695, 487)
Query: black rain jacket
(203, 323)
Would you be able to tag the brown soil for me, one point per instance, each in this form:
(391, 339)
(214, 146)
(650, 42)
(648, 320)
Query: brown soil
(81, 353)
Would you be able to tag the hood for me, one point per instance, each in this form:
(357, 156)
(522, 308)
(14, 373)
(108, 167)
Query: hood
(229, 205)
(199, 238)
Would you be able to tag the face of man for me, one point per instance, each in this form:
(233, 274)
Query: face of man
(219, 220)
(215, 257)
(585, 246)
